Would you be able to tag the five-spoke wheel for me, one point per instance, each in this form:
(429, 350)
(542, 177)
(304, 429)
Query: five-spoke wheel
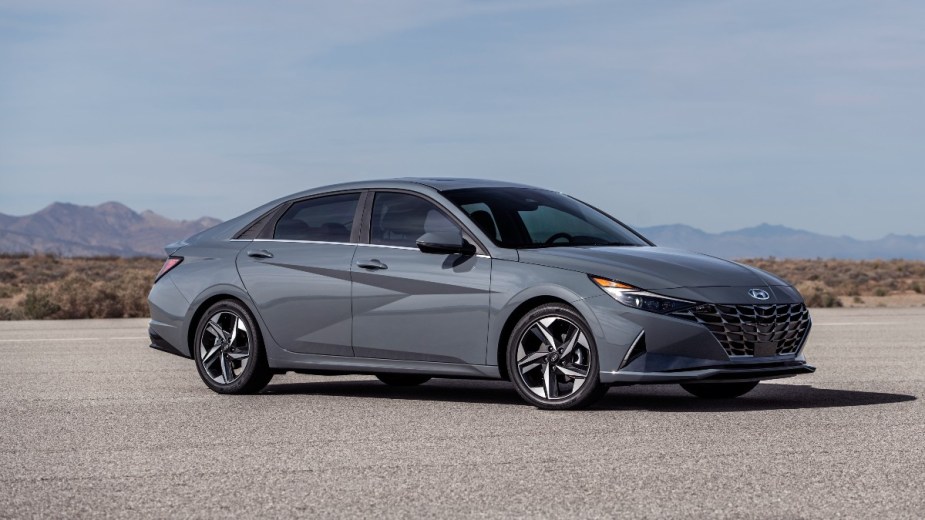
(552, 359)
(224, 347)
(228, 350)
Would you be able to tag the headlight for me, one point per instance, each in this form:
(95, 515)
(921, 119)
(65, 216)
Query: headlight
(638, 299)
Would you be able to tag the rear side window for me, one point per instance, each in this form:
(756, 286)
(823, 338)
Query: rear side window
(322, 219)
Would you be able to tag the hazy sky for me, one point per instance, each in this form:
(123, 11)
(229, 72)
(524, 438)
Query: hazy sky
(717, 114)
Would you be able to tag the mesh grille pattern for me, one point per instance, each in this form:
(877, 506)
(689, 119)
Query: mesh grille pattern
(753, 330)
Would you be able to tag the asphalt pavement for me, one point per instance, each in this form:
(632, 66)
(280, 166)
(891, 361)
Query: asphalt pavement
(94, 423)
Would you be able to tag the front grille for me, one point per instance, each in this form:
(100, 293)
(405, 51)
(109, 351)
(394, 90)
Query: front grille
(753, 330)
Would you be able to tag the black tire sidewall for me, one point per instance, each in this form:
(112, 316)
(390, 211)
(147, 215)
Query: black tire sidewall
(256, 365)
(590, 391)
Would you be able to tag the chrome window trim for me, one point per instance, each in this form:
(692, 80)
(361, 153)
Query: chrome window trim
(386, 246)
(292, 241)
(286, 241)
(477, 255)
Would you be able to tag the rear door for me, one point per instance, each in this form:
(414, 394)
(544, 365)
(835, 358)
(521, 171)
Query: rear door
(412, 305)
(298, 275)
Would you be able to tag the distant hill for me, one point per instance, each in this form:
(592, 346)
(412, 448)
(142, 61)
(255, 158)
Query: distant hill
(114, 229)
(107, 229)
(782, 242)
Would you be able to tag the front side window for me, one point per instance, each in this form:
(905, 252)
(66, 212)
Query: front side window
(529, 218)
(322, 219)
(400, 219)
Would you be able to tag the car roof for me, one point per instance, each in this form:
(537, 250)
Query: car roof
(453, 183)
(436, 183)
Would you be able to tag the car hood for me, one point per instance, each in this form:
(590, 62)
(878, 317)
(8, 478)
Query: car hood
(652, 268)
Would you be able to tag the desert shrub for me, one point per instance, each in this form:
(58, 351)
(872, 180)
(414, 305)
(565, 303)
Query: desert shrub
(858, 299)
(132, 289)
(74, 296)
(8, 291)
(848, 278)
(817, 294)
(7, 314)
(79, 297)
(98, 287)
(38, 305)
(822, 298)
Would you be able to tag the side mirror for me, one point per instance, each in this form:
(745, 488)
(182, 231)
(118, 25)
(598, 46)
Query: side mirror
(445, 243)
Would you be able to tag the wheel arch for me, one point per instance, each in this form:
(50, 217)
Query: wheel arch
(519, 312)
(207, 300)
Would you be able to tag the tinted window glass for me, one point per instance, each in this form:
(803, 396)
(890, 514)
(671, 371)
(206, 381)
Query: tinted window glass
(252, 231)
(481, 215)
(399, 219)
(323, 219)
(527, 217)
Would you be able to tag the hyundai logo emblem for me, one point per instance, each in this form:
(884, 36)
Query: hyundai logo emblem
(759, 294)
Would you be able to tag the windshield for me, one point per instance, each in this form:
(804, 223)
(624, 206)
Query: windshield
(528, 218)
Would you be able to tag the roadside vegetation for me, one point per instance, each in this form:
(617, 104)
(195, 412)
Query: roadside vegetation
(42, 286)
(45, 286)
(852, 283)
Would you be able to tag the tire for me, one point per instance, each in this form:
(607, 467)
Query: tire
(719, 390)
(552, 359)
(403, 379)
(228, 350)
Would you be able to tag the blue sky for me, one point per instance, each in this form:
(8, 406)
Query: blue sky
(716, 114)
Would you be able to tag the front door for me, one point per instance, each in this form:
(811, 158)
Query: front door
(417, 306)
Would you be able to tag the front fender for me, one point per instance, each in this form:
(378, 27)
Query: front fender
(517, 284)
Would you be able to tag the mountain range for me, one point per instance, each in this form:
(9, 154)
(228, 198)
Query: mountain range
(108, 229)
(114, 229)
(782, 242)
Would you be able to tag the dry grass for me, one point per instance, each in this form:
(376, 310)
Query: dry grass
(852, 283)
(49, 287)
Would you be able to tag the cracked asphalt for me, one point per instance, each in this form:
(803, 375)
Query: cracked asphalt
(93, 423)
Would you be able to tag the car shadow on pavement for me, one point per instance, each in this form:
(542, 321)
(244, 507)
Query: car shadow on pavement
(655, 398)
(461, 391)
(766, 396)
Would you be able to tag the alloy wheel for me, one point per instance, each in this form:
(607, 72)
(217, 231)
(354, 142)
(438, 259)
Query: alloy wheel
(225, 347)
(553, 357)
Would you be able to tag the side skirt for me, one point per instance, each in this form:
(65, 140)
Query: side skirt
(343, 365)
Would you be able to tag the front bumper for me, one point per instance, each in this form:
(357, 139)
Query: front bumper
(724, 373)
(639, 347)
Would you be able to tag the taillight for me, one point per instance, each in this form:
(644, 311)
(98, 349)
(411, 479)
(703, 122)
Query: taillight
(171, 262)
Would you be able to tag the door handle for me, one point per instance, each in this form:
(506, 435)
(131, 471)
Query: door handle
(372, 264)
(259, 253)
